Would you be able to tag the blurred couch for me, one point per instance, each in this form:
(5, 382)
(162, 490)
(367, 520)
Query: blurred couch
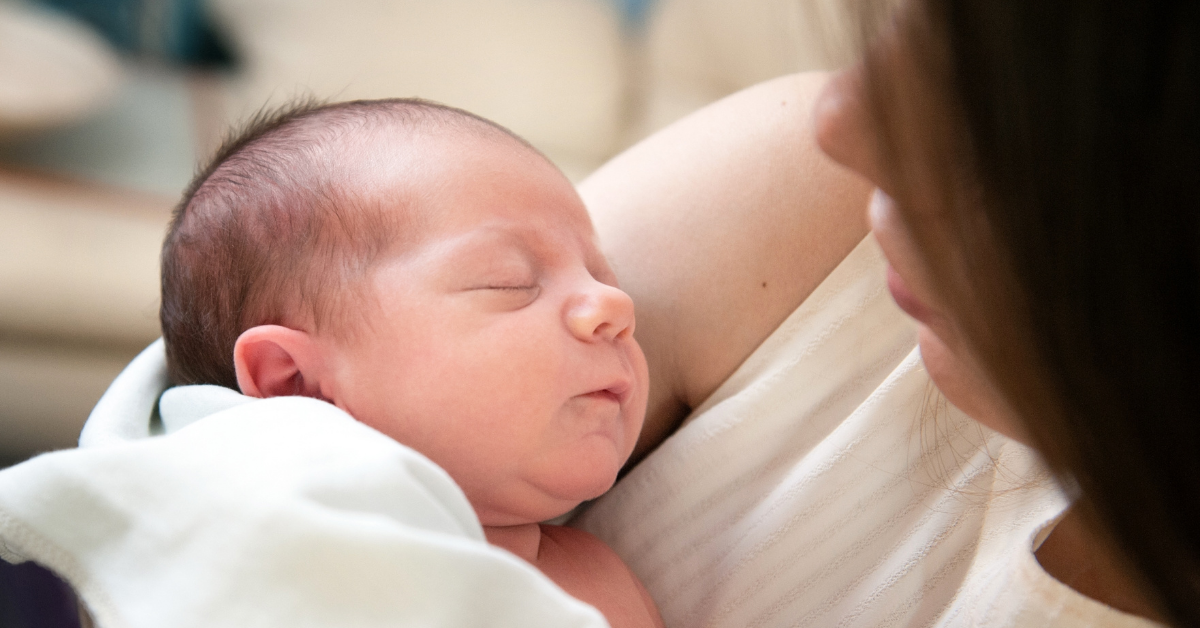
(85, 195)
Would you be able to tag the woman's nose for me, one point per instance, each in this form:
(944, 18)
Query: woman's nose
(843, 124)
(600, 312)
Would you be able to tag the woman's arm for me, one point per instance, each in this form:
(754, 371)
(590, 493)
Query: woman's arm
(719, 226)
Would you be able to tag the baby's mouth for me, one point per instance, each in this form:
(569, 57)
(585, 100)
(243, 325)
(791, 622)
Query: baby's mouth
(604, 395)
(616, 392)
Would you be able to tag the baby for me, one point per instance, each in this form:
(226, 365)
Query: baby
(438, 279)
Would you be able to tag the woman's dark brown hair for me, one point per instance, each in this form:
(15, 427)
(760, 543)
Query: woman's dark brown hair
(1068, 244)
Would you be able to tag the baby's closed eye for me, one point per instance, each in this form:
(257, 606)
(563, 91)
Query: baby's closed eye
(504, 275)
(501, 286)
(505, 295)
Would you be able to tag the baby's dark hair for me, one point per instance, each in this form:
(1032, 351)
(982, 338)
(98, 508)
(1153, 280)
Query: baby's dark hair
(268, 232)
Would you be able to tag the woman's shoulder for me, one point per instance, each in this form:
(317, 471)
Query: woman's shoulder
(719, 226)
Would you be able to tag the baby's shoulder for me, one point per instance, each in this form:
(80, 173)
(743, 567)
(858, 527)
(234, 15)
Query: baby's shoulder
(574, 555)
(588, 569)
(574, 542)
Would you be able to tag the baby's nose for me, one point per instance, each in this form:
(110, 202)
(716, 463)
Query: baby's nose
(601, 312)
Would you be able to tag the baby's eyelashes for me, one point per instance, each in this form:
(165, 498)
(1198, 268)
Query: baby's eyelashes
(506, 296)
(513, 288)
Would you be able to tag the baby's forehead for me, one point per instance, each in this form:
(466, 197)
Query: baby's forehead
(451, 182)
(417, 143)
(417, 164)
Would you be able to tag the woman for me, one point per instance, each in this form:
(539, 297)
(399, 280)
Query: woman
(1051, 257)
(1080, 245)
(1037, 167)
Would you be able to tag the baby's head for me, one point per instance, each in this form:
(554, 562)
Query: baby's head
(429, 273)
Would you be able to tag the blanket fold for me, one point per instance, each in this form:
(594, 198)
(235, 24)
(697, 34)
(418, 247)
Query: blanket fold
(276, 512)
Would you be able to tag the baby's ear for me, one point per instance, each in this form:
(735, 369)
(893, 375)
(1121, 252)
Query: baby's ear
(275, 361)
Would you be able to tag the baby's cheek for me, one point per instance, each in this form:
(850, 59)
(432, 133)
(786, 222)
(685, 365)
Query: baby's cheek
(639, 401)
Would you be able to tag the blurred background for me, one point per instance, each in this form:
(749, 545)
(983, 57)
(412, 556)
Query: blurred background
(107, 106)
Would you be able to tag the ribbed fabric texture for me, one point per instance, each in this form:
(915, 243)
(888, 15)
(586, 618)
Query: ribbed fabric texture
(825, 484)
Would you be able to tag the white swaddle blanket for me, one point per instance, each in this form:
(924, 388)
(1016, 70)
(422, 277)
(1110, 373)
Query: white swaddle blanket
(277, 512)
(815, 488)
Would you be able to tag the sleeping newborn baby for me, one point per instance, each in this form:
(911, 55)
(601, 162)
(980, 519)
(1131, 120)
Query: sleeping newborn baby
(438, 279)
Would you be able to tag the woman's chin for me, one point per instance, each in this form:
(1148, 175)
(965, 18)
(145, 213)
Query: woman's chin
(964, 385)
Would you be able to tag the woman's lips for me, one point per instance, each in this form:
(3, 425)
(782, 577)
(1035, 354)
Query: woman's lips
(905, 299)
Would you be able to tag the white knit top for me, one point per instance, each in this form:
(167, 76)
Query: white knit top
(826, 484)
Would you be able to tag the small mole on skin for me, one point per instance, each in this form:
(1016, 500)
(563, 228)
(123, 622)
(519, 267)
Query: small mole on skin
(764, 284)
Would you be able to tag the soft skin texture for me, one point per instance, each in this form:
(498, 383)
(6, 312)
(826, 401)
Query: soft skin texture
(493, 339)
(844, 132)
(583, 566)
(497, 344)
(719, 227)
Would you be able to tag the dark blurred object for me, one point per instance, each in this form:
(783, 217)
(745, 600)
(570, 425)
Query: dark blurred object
(634, 11)
(176, 31)
(33, 597)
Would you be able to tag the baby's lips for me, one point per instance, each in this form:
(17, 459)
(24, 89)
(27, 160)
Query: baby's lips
(618, 391)
(621, 390)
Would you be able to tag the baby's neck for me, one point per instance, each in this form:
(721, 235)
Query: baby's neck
(523, 540)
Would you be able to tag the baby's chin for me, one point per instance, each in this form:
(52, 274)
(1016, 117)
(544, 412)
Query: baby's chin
(539, 503)
(491, 517)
